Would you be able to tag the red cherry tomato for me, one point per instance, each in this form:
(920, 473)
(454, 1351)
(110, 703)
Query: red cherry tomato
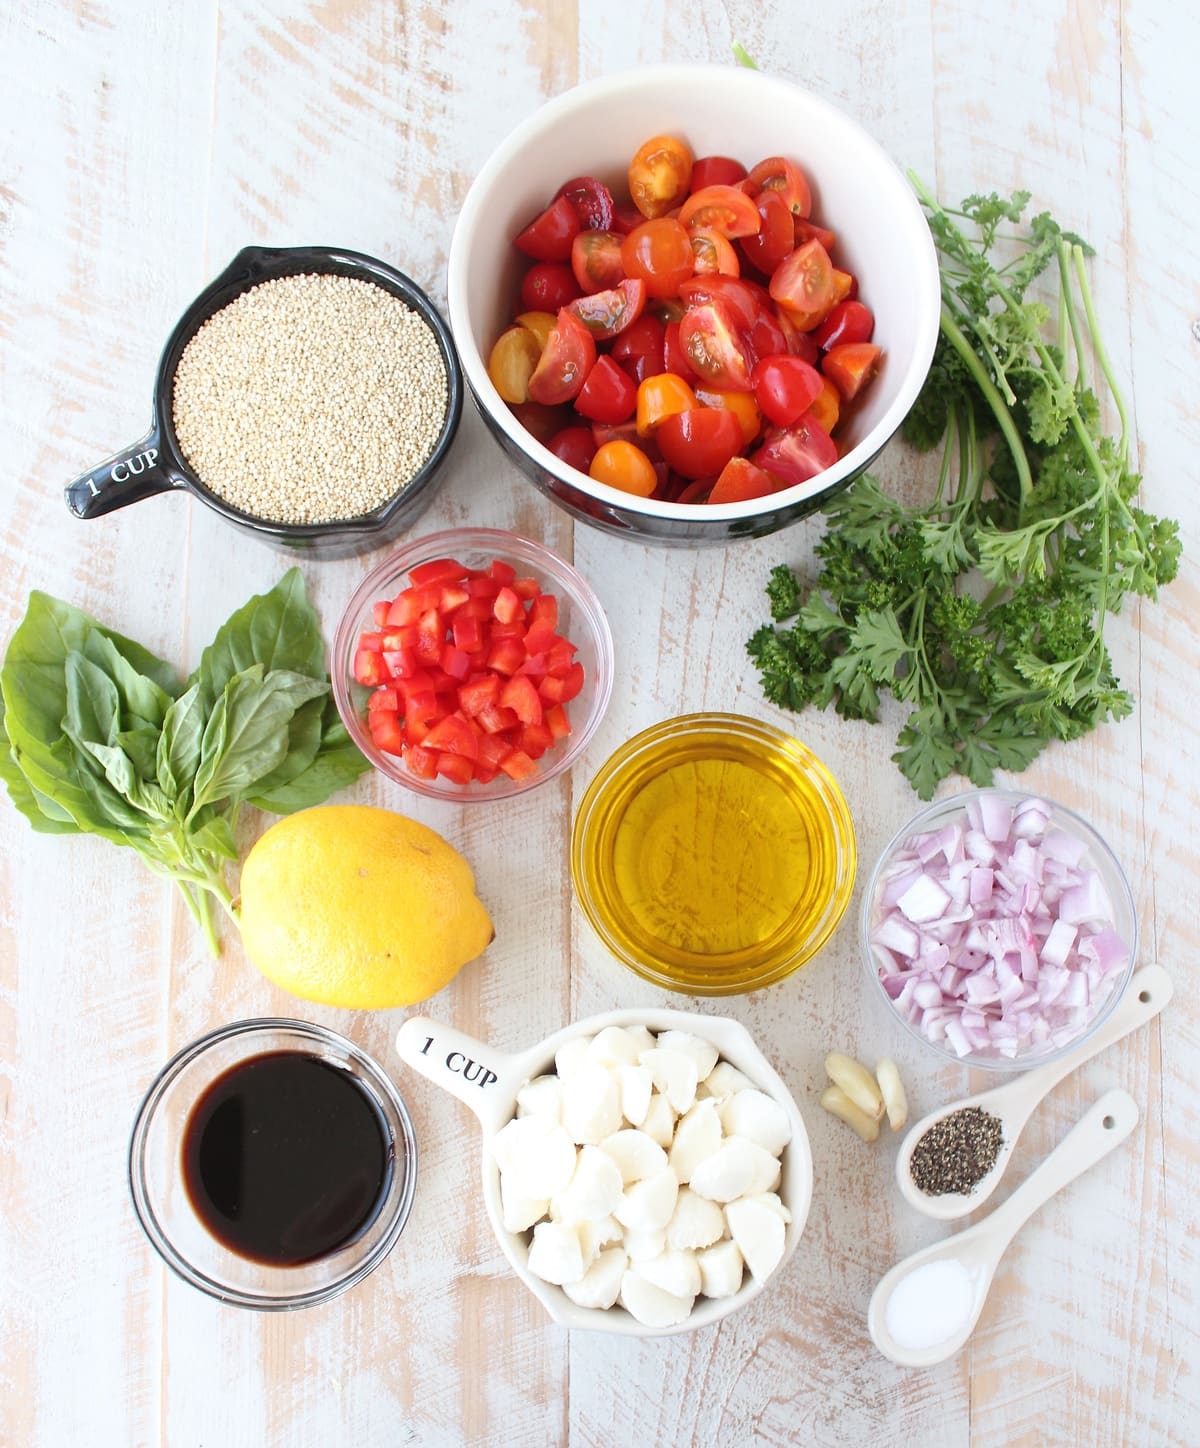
(740, 481)
(548, 285)
(803, 283)
(699, 443)
(660, 253)
(809, 231)
(575, 446)
(592, 200)
(549, 236)
(851, 365)
(774, 238)
(721, 208)
(795, 454)
(749, 305)
(799, 344)
(607, 313)
(566, 360)
(596, 260)
(714, 252)
(608, 395)
(659, 175)
(785, 388)
(638, 349)
(715, 346)
(777, 173)
(716, 171)
(849, 321)
(673, 358)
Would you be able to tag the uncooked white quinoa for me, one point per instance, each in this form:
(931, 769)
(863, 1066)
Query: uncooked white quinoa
(310, 398)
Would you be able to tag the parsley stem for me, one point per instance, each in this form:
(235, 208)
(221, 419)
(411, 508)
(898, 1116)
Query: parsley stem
(1067, 317)
(952, 333)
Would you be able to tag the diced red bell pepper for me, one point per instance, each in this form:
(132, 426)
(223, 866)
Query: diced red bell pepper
(369, 668)
(452, 734)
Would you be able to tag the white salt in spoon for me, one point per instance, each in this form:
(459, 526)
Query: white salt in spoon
(1148, 992)
(926, 1307)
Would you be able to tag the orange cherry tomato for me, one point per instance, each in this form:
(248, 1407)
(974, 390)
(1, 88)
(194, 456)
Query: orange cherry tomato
(659, 252)
(721, 208)
(844, 285)
(623, 466)
(566, 360)
(777, 173)
(659, 397)
(803, 283)
(851, 365)
(714, 253)
(659, 175)
(740, 481)
(512, 363)
(741, 404)
(827, 407)
(541, 324)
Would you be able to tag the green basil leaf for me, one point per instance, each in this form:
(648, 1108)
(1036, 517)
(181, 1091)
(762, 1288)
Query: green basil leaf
(304, 740)
(278, 630)
(338, 763)
(141, 745)
(216, 836)
(42, 813)
(93, 704)
(179, 745)
(141, 698)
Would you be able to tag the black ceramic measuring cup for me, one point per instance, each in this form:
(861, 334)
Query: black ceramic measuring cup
(156, 463)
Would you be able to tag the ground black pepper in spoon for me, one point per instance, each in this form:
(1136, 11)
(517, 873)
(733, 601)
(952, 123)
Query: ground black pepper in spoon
(956, 1153)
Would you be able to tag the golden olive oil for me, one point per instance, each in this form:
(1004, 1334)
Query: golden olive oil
(713, 854)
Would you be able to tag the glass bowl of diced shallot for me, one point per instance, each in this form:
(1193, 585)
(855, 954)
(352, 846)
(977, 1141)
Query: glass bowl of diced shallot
(999, 928)
(472, 664)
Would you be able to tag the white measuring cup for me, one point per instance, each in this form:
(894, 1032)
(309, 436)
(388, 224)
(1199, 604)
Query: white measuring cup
(488, 1081)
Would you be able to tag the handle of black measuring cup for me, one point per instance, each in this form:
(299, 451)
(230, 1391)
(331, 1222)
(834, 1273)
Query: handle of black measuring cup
(134, 473)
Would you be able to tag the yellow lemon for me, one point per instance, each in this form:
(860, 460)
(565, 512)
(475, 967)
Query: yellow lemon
(359, 907)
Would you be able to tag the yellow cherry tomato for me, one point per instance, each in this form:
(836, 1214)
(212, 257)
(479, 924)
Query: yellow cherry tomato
(622, 465)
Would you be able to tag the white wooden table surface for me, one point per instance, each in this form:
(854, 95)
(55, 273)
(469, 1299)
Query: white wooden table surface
(140, 146)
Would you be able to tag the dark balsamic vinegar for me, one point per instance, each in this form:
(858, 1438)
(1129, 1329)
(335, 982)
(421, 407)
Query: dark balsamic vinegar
(286, 1158)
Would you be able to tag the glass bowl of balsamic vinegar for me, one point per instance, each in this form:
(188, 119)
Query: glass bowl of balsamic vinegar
(272, 1164)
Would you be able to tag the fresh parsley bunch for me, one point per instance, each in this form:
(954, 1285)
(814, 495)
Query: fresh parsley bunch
(983, 609)
(98, 736)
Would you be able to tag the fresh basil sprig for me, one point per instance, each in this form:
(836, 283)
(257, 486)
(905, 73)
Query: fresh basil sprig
(98, 736)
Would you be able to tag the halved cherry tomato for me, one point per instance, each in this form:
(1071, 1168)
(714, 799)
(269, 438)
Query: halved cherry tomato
(565, 362)
(774, 239)
(844, 285)
(659, 175)
(575, 446)
(596, 260)
(549, 236)
(716, 171)
(608, 395)
(659, 398)
(543, 422)
(714, 252)
(849, 321)
(803, 283)
(698, 444)
(626, 467)
(827, 407)
(673, 357)
(795, 454)
(592, 200)
(741, 404)
(849, 366)
(660, 253)
(785, 388)
(806, 230)
(740, 481)
(541, 324)
(638, 349)
(721, 208)
(715, 346)
(548, 285)
(777, 173)
(798, 343)
(607, 313)
(512, 363)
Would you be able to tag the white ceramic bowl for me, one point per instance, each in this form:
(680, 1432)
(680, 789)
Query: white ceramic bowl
(488, 1081)
(729, 110)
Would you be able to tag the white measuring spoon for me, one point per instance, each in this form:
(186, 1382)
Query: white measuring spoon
(977, 1250)
(1148, 992)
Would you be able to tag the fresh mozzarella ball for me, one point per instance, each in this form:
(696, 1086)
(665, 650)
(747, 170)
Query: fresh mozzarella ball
(697, 1137)
(591, 1105)
(720, 1269)
(646, 1206)
(600, 1285)
(755, 1116)
(675, 1271)
(759, 1232)
(555, 1254)
(695, 1222)
(541, 1097)
(650, 1305)
(535, 1154)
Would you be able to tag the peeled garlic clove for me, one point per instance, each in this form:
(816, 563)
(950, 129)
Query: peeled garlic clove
(636, 1154)
(635, 1085)
(891, 1088)
(541, 1097)
(856, 1082)
(720, 1269)
(725, 1080)
(838, 1104)
(675, 1271)
(597, 1234)
(755, 1116)
(734, 1169)
(697, 1136)
(674, 1074)
(759, 1233)
(695, 1222)
(591, 1105)
(569, 1055)
(615, 1046)
(593, 1191)
(600, 1285)
(650, 1305)
(535, 1154)
(640, 1245)
(659, 1123)
(646, 1206)
(519, 1212)
(702, 1052)
(555, 1254)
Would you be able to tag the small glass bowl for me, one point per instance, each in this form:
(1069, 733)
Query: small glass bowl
(1098, 857)
(624, 822)
(581, 619)
(167, 1215)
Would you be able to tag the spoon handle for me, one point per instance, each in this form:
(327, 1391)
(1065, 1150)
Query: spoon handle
(1102, 1127)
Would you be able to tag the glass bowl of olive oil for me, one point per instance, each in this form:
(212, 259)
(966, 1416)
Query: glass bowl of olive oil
(713, 854)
